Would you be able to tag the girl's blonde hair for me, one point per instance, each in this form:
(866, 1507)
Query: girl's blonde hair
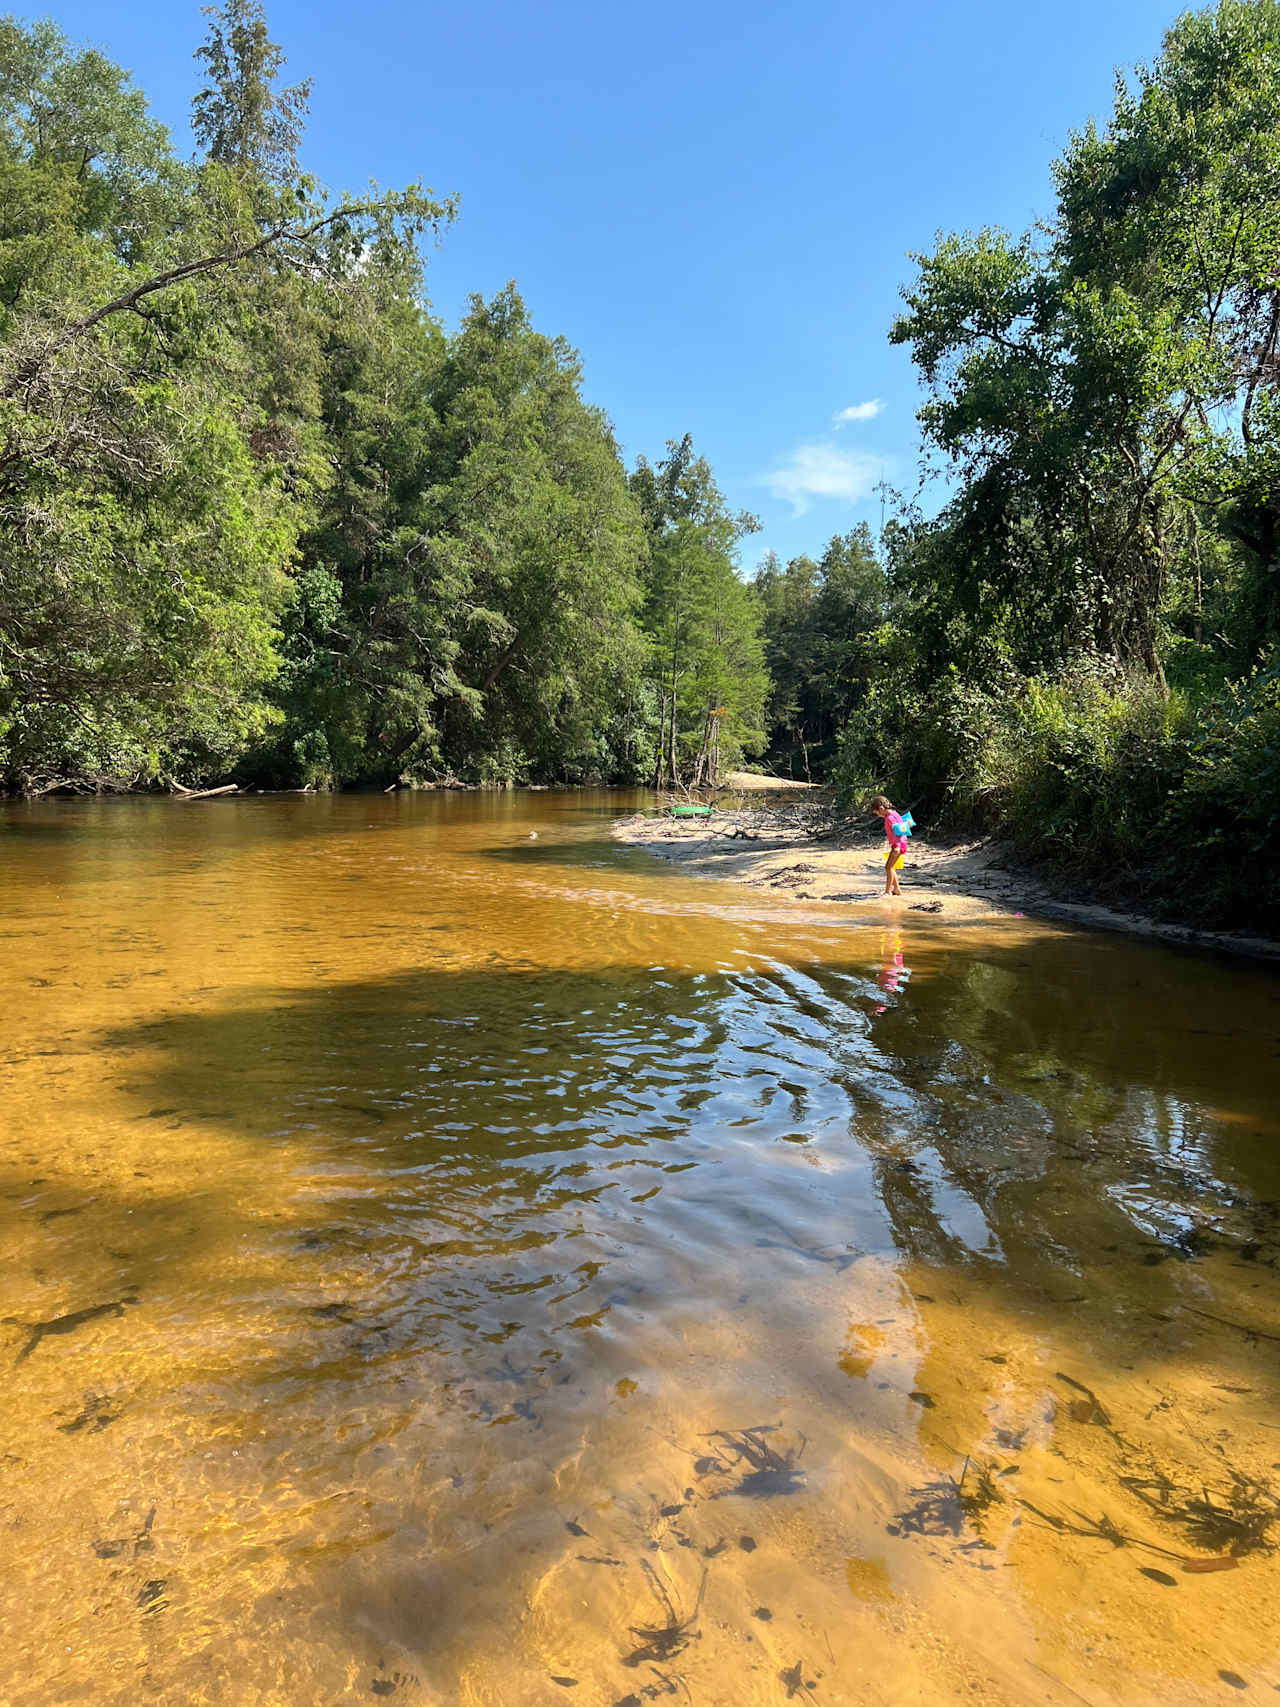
(881, 803)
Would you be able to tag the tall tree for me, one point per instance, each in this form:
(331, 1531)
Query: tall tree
(531, 503)
(468, 596)
(241, 119)
(1169, 231)
(154, 470)
(702, 622)
(1108, 395)
(819, 624)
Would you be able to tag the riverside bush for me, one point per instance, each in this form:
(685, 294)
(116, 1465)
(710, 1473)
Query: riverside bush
(1221, 827)
(1097, 773)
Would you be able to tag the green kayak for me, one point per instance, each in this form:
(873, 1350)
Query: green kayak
(691, 811)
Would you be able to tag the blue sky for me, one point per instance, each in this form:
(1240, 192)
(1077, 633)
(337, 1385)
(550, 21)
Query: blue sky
(714, 202)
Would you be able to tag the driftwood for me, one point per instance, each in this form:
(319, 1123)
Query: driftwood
(208, 793)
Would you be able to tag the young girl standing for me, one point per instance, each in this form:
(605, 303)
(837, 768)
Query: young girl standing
(896, 832)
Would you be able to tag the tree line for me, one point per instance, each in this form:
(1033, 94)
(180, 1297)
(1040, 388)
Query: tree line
(263, 516)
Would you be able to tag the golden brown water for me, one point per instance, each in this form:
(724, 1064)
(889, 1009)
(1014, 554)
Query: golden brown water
(461, 1268)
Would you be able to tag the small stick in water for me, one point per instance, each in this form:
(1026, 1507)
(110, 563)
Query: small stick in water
(64, 1324)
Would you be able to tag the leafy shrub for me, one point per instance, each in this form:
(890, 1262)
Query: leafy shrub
(1095, 771)
(1221, 828)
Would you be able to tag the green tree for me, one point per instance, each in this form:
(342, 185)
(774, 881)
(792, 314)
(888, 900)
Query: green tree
(819, 619)
(141, 556)
(154, 473)
(1107, 399)
(1170, 218)
(259, 513)
(1082, 650)
(701, 620)
(531, 506)
(468, 594)
(241, 119)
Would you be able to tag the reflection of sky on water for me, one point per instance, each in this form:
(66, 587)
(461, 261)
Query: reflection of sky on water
(1014, 1105)
(469, 1190)
(642, 1118)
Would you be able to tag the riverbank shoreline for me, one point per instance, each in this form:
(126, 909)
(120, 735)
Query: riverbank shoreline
(246, 791)
(169, 788)
(785, 849)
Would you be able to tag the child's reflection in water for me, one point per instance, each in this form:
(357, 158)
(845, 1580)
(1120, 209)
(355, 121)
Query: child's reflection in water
(894, 971)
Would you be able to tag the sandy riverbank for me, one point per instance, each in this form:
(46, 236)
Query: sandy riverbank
(775, 848)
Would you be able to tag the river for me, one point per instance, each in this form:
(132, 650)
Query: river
(453, 1258)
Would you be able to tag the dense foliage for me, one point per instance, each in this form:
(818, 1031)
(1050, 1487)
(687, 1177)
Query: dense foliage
(260, 515)
(1083, 644)
(702, 622)
(821, 623)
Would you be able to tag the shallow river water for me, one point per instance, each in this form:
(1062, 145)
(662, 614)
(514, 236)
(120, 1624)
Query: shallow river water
(453, 1258)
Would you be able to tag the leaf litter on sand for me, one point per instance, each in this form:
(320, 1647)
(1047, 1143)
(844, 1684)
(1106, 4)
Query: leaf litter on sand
(1089, 1408)
(794, 1679)
(1234, 1519)
(944, 1507)
(1226, 1512)
(769, 1473)
(661, 1642)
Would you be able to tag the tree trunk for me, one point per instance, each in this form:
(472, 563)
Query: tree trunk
(675, 684)
(495, 670)
(704, 752)
(660, 762)
(1155, 598)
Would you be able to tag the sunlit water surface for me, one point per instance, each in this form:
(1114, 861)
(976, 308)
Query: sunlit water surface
(453, 1258)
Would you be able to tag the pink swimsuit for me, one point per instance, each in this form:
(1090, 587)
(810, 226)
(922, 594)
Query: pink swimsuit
(893, 829)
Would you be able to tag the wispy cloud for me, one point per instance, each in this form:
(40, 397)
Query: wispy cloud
(858, 412)
(823, 470)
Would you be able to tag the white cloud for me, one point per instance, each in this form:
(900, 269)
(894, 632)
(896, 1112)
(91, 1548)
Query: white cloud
(859, 412)
(823, 470)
